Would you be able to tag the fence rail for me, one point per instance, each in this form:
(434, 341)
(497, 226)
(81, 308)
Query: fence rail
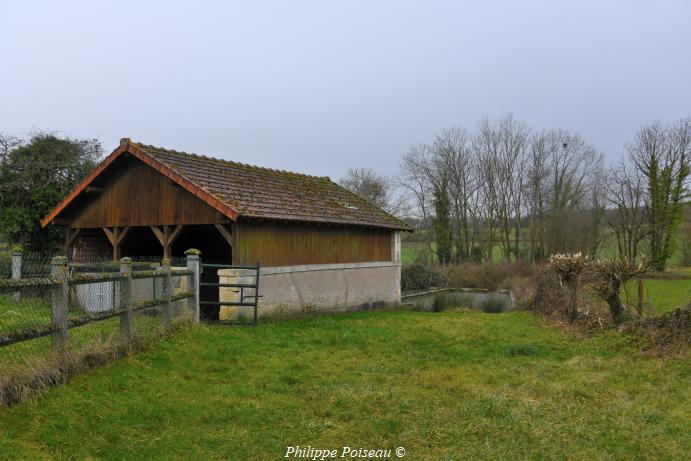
(60, 296)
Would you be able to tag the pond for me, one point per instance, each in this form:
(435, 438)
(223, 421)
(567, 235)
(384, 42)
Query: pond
(491, 302)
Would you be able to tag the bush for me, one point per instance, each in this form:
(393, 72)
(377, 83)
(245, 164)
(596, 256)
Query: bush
(487, 276)
(417, 277)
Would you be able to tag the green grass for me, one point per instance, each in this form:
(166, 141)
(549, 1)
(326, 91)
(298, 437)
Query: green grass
(25, 313)
(660, 295)
(451, 385)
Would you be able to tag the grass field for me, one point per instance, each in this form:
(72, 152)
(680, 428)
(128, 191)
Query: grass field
(451, 385)
(660, 295)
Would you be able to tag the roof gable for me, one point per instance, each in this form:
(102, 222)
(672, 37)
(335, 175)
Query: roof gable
(238, 190)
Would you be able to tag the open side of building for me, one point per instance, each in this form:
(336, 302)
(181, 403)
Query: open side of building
(319, 245)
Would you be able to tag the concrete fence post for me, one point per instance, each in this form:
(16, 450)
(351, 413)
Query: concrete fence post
(126, 298)
(59, 313)
(16, 271)
(194, 265)
(167, 290)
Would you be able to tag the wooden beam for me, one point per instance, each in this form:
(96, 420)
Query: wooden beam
(116, 235)
(122, 233)
(71, 237)
(222, 219)
(225, 233)
(175, 234)
(166, 237)
(110, 235)
(93, 189)
(159, 235)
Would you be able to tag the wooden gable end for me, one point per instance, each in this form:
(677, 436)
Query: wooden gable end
(131, 193)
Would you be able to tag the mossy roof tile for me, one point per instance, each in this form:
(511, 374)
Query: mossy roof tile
(263, 193)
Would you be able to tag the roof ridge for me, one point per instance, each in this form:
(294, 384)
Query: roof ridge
(231, 162)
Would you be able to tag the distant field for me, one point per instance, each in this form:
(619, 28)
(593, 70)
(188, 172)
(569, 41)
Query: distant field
(660, 296)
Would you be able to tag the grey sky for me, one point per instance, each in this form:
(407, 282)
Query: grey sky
(320, 86)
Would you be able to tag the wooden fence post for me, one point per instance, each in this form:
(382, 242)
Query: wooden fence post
(639, 304)
(194, 264)
(167, 290)
(16, 271)
(126, 298)
(59, 313)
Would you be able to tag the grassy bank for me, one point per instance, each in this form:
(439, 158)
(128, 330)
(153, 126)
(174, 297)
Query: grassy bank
(444, 386)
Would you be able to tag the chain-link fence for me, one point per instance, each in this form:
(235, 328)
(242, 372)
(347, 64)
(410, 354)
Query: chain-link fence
(51, 306)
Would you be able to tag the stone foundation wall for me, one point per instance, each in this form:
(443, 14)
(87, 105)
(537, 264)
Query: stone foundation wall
(293, 290)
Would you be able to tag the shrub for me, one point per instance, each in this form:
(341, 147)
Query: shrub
(417, 277)
(487, 276)
(549, 295)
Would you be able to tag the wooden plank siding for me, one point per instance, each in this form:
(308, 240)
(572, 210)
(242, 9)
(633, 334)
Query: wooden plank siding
(135, 194)
(285, 244)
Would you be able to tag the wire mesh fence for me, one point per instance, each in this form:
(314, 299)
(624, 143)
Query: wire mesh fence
(51, 304)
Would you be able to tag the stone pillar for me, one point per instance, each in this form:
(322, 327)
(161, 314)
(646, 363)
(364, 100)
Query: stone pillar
(60, 302)
(194, 265)
(167, 291)
(126, 298)
(16, 271)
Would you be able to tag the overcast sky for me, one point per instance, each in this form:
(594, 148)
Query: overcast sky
(320, 86)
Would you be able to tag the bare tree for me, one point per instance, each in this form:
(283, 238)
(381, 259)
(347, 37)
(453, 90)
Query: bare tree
(375, 188)
(501, 147)
(453, 154)
(7, 143)
(626, 195)
(574, 165)
(542, 147)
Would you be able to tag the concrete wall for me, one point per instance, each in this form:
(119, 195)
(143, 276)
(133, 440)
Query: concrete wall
(293, 290)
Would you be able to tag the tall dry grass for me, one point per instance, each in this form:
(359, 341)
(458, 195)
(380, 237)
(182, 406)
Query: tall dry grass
(20, 382)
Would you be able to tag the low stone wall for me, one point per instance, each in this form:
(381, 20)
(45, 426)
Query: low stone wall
(293, 290)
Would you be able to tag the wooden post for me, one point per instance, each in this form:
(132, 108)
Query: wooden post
(166, 236)
(16, 271)
(194, 264)
(126, 298)
(167, 291)
(639, 305)
(59, 313)
(70, 237)
(116, 235)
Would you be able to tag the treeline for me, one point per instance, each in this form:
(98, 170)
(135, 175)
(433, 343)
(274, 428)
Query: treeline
(508, 191)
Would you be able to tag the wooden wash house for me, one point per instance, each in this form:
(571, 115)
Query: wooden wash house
(307, 232)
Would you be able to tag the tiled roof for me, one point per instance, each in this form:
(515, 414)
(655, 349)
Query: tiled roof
(256, 192)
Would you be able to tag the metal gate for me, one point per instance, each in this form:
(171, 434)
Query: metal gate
(241, 295)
